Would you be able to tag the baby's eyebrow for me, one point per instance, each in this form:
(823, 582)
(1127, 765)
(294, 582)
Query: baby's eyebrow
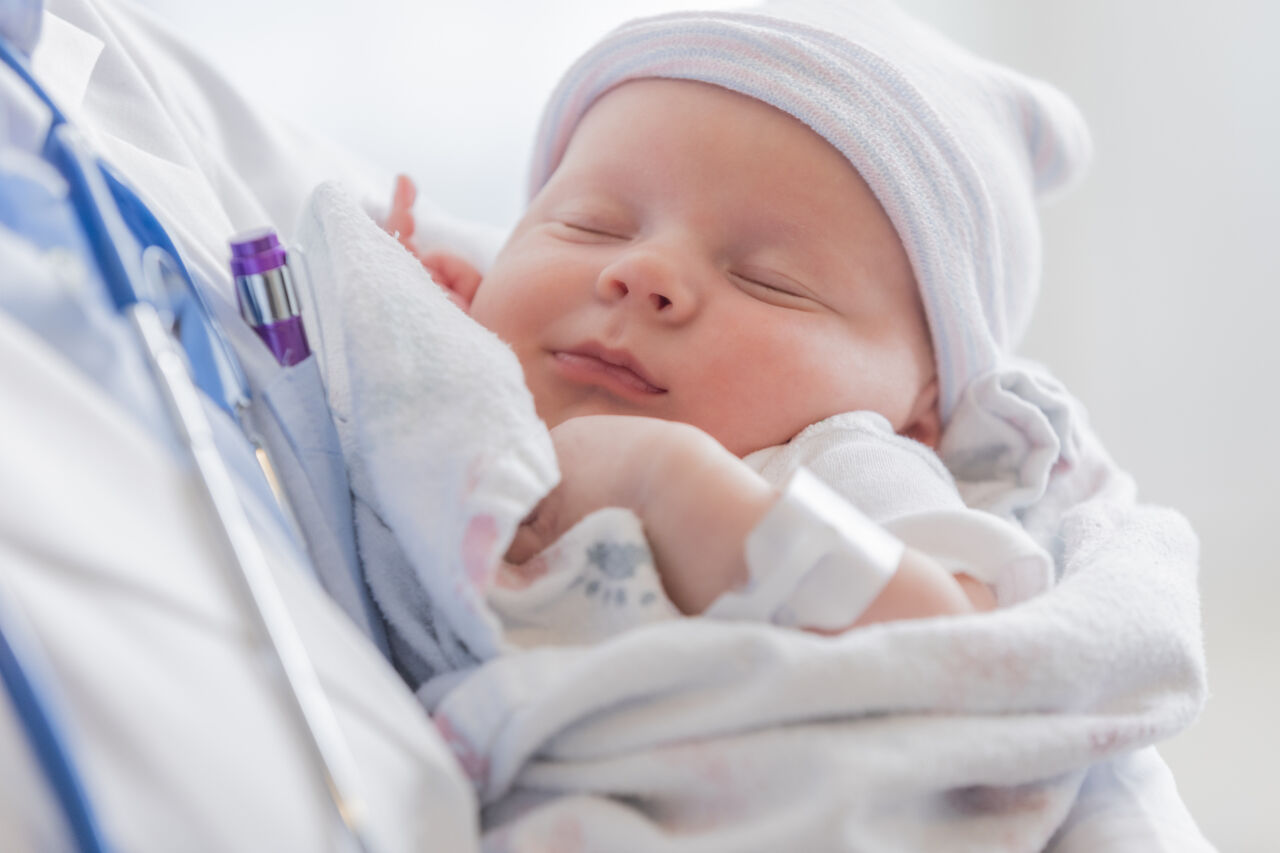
(587, 189)
(598, 203)
(792, 248)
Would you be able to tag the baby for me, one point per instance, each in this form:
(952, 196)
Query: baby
(731, 269)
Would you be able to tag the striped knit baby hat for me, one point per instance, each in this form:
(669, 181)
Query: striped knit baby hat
(957, 149)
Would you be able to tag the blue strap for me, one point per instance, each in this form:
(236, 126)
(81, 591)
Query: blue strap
(19, 66)
(121, 230)
(46, 742)
(208, 351)
(121, 234)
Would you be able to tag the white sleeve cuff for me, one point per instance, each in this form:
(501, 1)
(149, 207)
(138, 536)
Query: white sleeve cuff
(813, 561)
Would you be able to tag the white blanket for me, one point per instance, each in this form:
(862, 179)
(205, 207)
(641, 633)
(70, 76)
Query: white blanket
(444, 450)
(969, 733)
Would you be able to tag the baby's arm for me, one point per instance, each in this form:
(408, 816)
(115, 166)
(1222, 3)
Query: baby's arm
(922, 587)
(698, 503)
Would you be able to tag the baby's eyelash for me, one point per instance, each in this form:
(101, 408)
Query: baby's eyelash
(774, 288)
(591, 230)
(587, 229)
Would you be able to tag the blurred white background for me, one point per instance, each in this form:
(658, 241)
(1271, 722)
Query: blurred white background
(1162, 284)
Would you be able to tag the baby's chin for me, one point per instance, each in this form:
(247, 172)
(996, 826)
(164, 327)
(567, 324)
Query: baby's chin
(555, 413)
(732, 436)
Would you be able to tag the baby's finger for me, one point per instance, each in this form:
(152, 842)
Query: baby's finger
(538, 530)
(520, 575)
(526, 544)
(400, 219)
(405, 193)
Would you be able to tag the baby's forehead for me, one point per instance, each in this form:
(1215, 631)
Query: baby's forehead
(650, 126)
(659, 102)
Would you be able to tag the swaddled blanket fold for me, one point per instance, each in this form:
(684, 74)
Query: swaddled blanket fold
(445, 451)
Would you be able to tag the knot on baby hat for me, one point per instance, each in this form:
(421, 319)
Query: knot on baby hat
(957, 149)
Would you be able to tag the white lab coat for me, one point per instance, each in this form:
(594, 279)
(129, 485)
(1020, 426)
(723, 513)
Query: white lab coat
(174, 716)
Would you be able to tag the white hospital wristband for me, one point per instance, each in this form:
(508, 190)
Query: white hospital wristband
(813, 561)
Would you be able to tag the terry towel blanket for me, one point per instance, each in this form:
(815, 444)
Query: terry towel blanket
(967, 733)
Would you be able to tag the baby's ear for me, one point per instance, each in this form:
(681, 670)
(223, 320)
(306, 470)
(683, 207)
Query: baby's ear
(459, 278)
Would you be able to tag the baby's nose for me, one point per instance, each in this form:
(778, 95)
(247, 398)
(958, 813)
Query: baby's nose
(649, 278)
(659, 301)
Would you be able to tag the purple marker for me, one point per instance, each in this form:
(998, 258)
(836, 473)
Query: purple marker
(266, 293)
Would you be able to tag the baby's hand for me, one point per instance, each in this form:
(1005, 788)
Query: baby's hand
(443, 267)
(697, 500)
(600, 466)
(400, 222)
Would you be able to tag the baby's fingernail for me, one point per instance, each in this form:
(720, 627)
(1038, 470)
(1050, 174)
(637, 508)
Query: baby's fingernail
(404, 191)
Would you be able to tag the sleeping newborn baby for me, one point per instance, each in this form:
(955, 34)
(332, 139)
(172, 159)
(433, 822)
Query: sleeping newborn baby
(743, 360)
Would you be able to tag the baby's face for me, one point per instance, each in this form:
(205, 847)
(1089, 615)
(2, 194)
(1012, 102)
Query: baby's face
(701, 257)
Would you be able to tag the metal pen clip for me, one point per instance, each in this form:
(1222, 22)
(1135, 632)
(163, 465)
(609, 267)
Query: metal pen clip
(267, 294)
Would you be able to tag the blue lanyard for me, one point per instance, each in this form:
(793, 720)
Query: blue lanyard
(135, 255)
(46, 742)
(138, 263)
(149, 285)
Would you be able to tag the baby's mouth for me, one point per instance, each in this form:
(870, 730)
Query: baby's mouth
(617, 365)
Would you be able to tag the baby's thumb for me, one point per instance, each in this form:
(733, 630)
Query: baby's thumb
(536, 531)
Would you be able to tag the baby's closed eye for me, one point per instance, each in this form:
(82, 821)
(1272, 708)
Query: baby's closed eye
(594, 231)
(773, 287)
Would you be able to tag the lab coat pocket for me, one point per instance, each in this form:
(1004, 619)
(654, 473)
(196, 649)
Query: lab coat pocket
(293, 421)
